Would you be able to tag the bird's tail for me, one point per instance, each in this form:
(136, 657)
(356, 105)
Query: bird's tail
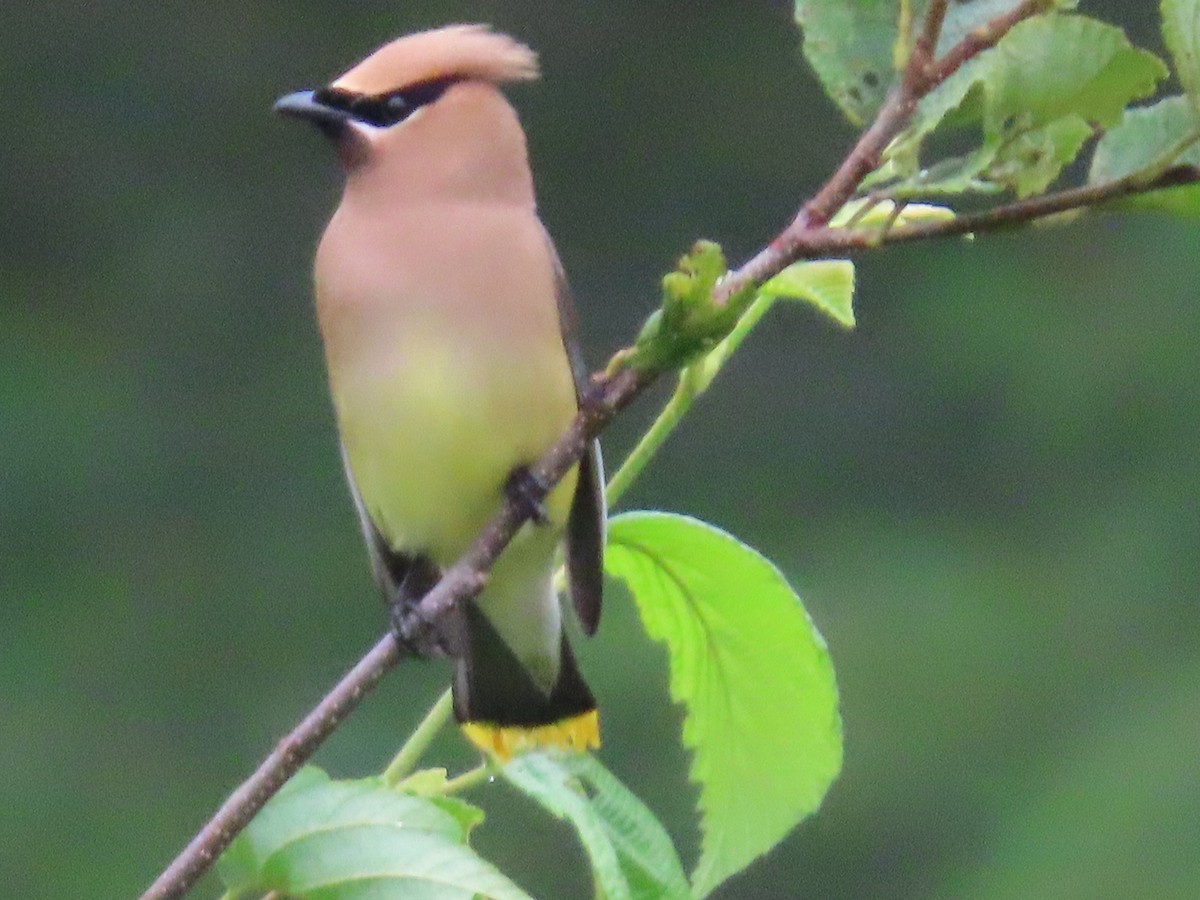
(501, 707)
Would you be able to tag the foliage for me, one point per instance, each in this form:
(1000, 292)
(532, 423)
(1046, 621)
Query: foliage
(1034, 98)
(632, 855)
(750, 669)
(752, 672)
(324, 838)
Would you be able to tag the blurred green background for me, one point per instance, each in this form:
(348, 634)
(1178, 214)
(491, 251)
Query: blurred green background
(988, 494)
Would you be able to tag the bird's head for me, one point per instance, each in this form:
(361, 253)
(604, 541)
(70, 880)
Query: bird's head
(412, 77)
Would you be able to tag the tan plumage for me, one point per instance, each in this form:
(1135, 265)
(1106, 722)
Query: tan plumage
(470, 51)
(442, 310)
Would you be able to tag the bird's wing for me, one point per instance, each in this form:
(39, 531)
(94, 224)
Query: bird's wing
(404, 578)
(586, 523)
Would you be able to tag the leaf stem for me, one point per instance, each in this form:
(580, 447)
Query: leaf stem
(825, 241)
(418, 742)
(693, 381)
(469, 779)
(674, 409)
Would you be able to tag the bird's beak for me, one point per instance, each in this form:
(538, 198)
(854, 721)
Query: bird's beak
(304, 105)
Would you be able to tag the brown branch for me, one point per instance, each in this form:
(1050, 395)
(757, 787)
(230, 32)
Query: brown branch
(805, 237)
(284, 761)
(984, 37)
(926, 43)
(821, 242)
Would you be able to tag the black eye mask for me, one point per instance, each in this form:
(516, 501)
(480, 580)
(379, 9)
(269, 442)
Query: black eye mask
(384, 110)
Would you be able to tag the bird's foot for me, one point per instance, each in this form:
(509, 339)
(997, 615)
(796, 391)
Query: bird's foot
(528, 492)
(412, 634)
(416, 636)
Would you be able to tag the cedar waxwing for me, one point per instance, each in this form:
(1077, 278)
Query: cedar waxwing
(448, 336)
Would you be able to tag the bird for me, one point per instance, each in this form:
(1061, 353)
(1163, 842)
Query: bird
(449, 339)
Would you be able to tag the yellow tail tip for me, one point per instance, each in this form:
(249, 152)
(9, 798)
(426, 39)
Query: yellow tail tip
(577, 733)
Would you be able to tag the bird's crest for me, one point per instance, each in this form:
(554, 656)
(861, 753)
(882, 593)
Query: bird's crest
(455, 51)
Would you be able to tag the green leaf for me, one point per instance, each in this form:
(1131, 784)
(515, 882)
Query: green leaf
(884, 213)
(827, 284)
(632, 856)
(850, 46)
(1048, 67)
(1034, 97)
(962, 18)
(425, 782)
(1148, 140)
(854, 46)
(1181, 33)
(1030, 162)
(320, 839)
(753, 674)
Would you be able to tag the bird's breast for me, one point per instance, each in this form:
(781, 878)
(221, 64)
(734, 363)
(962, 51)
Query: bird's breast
(447, 370)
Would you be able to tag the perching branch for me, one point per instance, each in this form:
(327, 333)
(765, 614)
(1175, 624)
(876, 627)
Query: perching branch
(284, 761)
(610, 390)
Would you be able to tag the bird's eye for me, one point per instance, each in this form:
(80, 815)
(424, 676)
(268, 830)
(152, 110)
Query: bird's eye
(384, 110)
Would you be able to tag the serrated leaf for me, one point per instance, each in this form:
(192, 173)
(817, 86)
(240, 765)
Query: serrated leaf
(320, 839)
(854, 46)
(631, 854)
(1147, 139)
(1048, 67)
(1032, 96)
(827, 284)
(952, 95)
(425, 782)
(850, 47)
(1029, 163)
(754, 676)
(1181, 33)
(383, 863)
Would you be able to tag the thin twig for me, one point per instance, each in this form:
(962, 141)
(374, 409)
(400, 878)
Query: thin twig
(287, 757)
(418, 742)
(821, 242)
(935, 17)
(984, 37)
(604, 397)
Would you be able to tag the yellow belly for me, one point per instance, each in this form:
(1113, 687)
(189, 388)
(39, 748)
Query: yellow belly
(431, 436)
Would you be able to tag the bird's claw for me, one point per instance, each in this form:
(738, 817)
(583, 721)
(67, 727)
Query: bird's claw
(528, 492)
(413, 633)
